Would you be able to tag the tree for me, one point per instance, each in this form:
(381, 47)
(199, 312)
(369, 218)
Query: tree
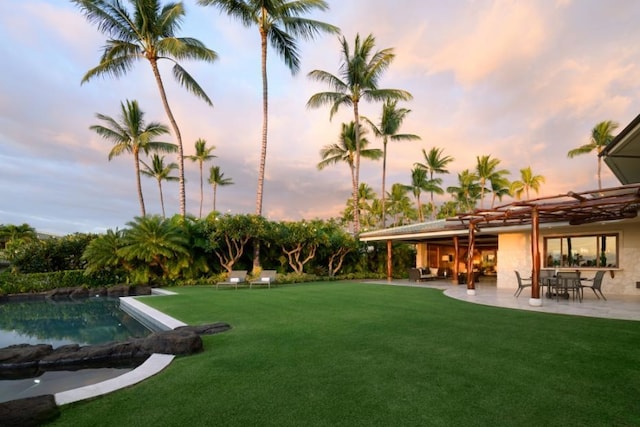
(279, 23)
(390, 122)
(216, 178)
(467, 193)
(527, 181)
(155, 248)
(400, 206)
(435, 162)
(148, 33)
(229, 234)
(601, 136)
(486, 171)
(359, 75)
(419, 183)
(347, 151)
(299, 241)
(500, 187)
(16, 233)
(203, 153)
(160, 172)
(102, 253)
(131, 135)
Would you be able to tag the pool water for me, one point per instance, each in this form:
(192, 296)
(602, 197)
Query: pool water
(87, 321)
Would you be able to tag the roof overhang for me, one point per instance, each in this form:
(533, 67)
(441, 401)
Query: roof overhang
(596, 206)
(622, 155)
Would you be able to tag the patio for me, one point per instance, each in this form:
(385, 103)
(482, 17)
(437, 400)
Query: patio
(616, 307)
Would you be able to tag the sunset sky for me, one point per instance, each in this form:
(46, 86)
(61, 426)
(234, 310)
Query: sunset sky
(522, 81)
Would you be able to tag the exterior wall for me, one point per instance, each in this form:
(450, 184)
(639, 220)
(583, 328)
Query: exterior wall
(514, 253)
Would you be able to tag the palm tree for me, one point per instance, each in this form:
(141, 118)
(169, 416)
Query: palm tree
(203, 153)
(160, 172)
(600, 137)
(132, 135)
(467, 192)
(279, 23)
(216, 178)
(419, 183)
(390, 122)
(148, 33)
(500, 187)
(400, 206)
(434, 162)
(486, 171)
(358, 79)
(527, 181)
(345, 151)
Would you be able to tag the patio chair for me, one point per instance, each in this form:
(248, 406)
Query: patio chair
(266, 278)
(546, 278)
(235, 277)
(522, 283)
(596, 284)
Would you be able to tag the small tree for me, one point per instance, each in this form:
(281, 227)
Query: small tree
(229, 234)
(299, 241)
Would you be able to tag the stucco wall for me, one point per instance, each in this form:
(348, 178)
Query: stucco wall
(514, 253)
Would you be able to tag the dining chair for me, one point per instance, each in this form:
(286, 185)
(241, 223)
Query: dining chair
(596, 284)
(522, 283)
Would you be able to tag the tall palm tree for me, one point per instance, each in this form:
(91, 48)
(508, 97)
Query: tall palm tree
(216, 178)
(346, 151)
(434, 163)
(160, 172)
(500, 187)
(203, 154)
(527, 181)
(601, 136)
(486, 169)
(467, 193)
(147, 33)
(400, 206)
(419, 183)
(131, 135)
(358, 78)
(279, 23)
(390, 122)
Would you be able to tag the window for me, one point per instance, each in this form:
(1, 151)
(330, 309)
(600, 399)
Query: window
(600, 250)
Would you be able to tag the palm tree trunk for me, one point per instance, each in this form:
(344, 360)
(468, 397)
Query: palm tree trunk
(215, 188)
(263, 150)
(384, 176)
(161, 198)
(599, 171)
(201, 189)
(356, 178)
(176, 131)
(138, 182)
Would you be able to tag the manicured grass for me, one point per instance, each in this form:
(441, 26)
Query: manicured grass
(349, 354)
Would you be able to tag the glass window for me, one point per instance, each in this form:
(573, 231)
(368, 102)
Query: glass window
(581, 251)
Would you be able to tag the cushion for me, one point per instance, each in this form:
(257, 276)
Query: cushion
(265, 279)
(234, 280)
(433, 271)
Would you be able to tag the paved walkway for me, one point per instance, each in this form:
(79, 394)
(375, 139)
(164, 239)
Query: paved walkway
(615, 307)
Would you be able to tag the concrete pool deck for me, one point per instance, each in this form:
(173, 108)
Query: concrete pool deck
(154, 320)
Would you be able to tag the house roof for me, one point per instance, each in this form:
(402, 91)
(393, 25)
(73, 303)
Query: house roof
(572, 208)
(622, 155)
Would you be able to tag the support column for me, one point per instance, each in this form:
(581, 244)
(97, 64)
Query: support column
(471, 286)
(389, 261)
(456, 260)
(535, 299)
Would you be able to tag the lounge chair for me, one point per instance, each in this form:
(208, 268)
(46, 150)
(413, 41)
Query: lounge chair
(235, 277)
(267, 277)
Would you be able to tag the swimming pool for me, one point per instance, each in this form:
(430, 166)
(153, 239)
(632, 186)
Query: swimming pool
(60, 322)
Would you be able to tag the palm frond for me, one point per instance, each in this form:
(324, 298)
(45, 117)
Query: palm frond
(189, 83)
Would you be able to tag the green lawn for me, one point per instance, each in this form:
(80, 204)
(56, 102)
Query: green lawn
(349, 354)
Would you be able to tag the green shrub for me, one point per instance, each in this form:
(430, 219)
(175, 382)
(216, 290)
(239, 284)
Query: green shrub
(42, 282)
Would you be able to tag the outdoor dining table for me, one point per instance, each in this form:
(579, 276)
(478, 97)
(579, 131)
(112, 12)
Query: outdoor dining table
(565, 281)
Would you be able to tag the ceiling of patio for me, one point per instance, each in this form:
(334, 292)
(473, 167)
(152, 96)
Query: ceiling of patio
(622, 155)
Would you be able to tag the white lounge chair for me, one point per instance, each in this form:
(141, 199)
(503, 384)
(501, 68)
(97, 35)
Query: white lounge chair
(266, 278)
(235, 277)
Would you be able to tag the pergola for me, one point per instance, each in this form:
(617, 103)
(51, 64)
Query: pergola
(610, 204)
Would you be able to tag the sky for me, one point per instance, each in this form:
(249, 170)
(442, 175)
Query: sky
(524, 82)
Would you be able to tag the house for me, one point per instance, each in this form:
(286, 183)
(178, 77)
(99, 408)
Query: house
(586, 231)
